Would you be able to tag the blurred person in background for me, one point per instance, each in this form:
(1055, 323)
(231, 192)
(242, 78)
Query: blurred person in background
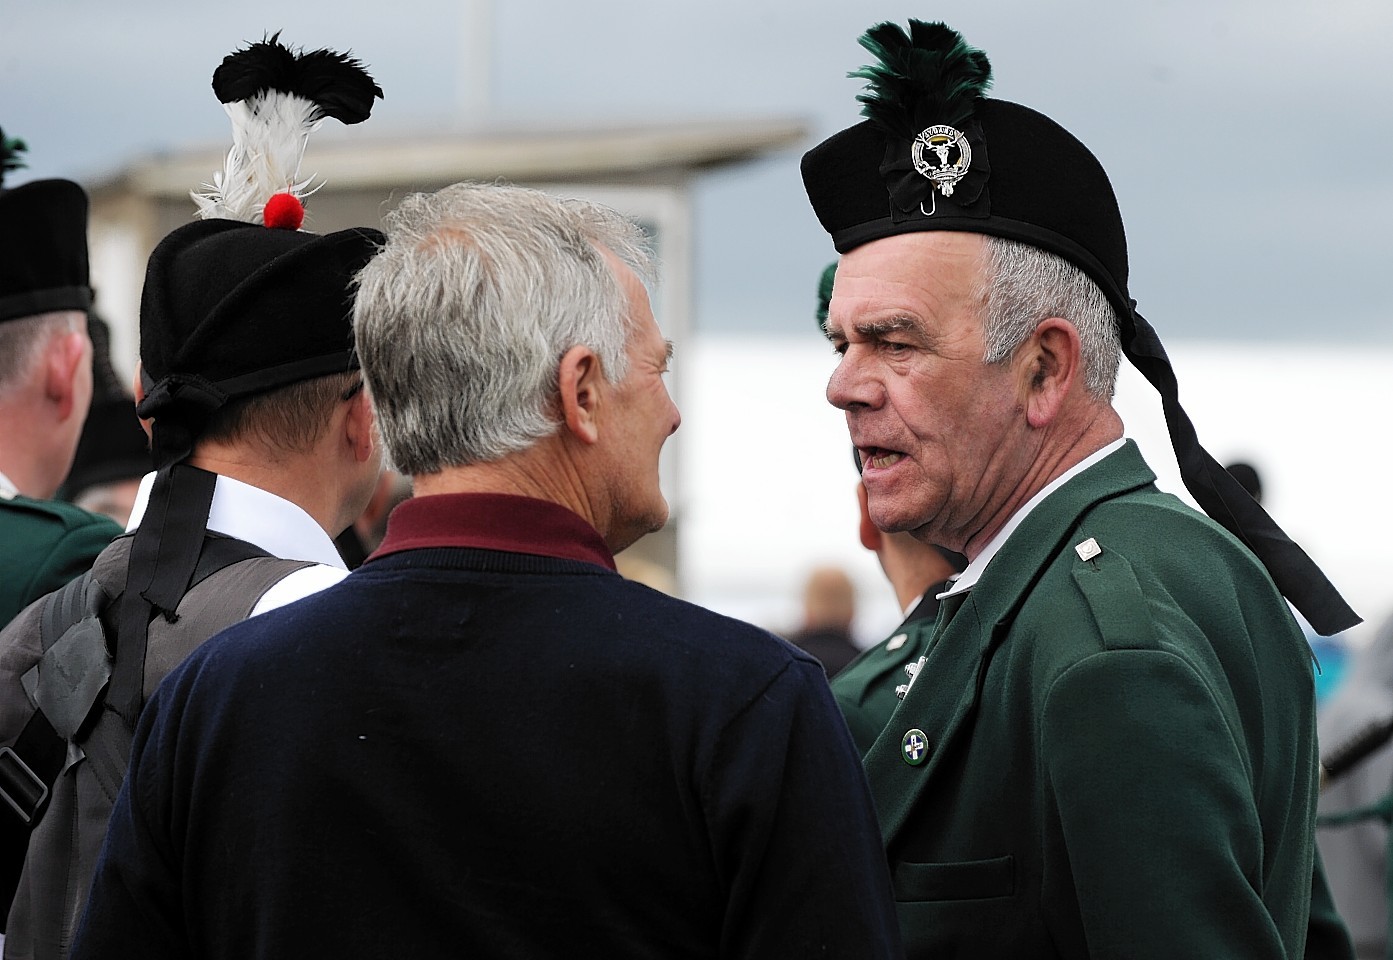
(113, 453)
(45, 385)
(829, 608)
(1356, 802)
(1331, 653)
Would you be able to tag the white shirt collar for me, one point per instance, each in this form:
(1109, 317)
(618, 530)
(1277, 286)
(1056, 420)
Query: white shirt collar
(263, 519)
(8, 491)
(969, 577)
(913, 605)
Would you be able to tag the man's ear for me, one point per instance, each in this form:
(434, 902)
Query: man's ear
(359, 426)
(66, 353)
(1053, 362)
(580, 381)
(871, 535)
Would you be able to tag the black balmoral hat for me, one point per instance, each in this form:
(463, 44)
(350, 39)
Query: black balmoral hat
(231, 309)
(242, 301)
(43, 243)
(936, 154)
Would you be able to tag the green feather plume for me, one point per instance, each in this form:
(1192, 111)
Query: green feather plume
(927, 76)
(824, 294)
(10, 150)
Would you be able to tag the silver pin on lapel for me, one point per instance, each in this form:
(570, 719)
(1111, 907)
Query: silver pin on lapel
(1088, 549)
(912, 670)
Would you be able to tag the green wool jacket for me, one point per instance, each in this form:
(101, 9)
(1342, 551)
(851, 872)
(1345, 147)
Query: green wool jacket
(1114, 757)
(43, 545)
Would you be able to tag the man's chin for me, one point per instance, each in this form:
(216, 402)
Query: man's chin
(625, 535)
(889, 520)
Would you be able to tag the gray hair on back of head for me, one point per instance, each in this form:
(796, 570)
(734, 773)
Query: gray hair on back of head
(463, 317)
(23, 340)
(1025, 285)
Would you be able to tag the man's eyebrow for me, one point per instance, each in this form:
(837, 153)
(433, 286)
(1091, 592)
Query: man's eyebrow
(671, 349)
(879, 328)
(874, 329)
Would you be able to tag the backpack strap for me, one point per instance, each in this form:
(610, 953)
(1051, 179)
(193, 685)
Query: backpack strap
(68, 682)
(107, 743)
(63, 684)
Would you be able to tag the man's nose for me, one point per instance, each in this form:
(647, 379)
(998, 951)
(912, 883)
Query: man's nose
(851, 383)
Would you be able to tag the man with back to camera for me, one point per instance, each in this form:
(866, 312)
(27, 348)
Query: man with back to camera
(1108, 749)
(45, 385)
(489, 743)
(265, 450)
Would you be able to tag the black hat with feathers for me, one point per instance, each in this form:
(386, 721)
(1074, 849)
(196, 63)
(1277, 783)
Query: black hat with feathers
(242, 301)
(935, 153)
(238, 303)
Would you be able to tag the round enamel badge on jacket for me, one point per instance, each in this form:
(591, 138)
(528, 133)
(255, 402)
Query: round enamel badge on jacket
(914, 747)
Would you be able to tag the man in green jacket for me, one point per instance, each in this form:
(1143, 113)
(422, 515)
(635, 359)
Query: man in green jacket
(1108, 748)
(45, 385)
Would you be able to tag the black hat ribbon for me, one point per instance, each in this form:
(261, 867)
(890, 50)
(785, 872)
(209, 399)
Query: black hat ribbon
(180, 405)
(164, 553)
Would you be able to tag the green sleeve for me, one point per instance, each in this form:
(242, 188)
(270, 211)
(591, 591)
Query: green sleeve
(1155, 828)
(70, 556)
(1327, 937)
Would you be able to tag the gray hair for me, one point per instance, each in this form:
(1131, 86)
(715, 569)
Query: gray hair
(22, 340)
(1025, 285)
(462, 319)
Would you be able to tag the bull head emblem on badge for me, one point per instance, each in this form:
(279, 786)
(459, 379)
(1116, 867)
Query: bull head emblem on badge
(949, 148)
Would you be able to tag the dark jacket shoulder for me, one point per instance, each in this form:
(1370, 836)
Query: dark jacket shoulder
(46, 544)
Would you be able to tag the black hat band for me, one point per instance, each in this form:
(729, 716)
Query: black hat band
(34, 302)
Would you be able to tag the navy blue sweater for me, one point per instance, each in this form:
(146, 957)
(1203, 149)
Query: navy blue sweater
(463, 752)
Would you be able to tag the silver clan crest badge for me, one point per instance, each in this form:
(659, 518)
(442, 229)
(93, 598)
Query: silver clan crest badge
(942, 154)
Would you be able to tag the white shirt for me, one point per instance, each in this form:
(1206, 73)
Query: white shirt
(275, 525)
(8, 491)
(969, 577)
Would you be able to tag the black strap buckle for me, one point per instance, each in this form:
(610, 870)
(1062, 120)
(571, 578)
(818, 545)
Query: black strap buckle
(20, 787)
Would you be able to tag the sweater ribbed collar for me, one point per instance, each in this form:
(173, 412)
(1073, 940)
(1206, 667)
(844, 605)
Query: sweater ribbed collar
(493, 521)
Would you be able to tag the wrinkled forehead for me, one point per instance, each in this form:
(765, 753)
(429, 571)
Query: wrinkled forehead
(892, 281)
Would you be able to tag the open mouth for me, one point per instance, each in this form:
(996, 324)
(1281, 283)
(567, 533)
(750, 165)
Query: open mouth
(880, 458)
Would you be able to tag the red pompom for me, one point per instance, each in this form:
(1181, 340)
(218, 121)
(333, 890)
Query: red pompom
(284, 211)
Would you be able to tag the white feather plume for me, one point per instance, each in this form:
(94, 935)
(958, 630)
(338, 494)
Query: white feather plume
(269, 133)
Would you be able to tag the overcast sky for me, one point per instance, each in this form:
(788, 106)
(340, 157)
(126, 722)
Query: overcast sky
(1249, 142)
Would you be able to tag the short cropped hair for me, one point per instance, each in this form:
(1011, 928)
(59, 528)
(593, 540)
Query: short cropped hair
(461, 321)
(287, 420)
(1025, 285)
(22, 340)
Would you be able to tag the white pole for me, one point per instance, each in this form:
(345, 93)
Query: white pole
(476, 59)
